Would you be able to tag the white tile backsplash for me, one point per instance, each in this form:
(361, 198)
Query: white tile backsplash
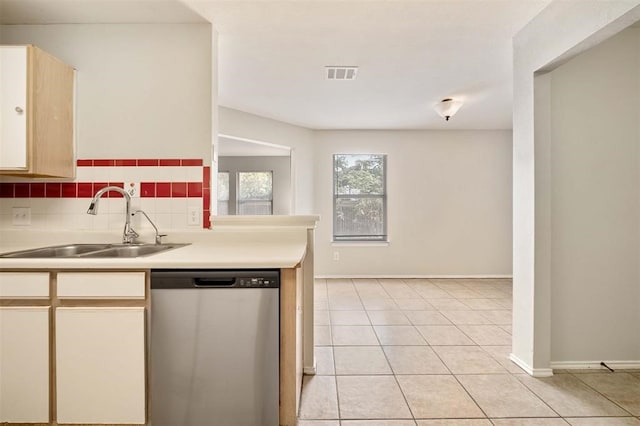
(163, 205)
(84, 174)
(174, 174)
(179, 205)
(194, 174)
(179, 220)
(101, 174)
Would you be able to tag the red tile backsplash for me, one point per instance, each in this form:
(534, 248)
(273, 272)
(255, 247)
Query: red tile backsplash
(127, 163)
(97, 186)
(69, 190)
(6, 190)
(53, 190)
(206, 198)
(194, 189)
(163, 189)
(37, 190)
(113, 194)
(148, 189)
(22, 190)
(178, 189)
(85, 190)
(206, 177)
(166, 189)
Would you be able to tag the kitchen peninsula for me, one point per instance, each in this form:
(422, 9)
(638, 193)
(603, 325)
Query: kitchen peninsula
(42, 293)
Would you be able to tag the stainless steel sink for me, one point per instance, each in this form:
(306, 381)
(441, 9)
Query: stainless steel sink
(93, 251)
(132, 250)
(69, 250)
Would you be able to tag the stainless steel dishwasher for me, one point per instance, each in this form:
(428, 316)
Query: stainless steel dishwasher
(215, 347)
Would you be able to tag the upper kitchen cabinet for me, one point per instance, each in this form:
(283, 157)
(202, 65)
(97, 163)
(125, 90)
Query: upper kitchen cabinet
(36, 115)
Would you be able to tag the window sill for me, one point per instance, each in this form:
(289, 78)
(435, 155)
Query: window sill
(360, 243)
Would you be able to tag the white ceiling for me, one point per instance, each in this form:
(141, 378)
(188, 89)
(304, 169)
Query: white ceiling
(410, 53)
(95, 12)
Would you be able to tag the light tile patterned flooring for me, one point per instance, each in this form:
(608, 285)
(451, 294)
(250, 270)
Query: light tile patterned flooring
(424, 352)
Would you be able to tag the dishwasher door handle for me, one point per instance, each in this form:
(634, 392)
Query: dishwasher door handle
(214, 282)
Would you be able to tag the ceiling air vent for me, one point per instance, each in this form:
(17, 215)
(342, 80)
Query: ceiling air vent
(341, 73)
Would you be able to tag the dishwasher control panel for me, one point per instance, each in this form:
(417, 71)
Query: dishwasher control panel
(253, 282)
(210, 278)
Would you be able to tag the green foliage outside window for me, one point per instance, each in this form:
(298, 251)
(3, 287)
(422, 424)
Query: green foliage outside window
(359, 197)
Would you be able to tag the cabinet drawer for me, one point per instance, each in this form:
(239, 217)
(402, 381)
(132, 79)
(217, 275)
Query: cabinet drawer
(29, 285)
(101, 285)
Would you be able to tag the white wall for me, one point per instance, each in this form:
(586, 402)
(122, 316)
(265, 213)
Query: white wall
(595, 210)
(252, 127)
(560, 31)
(142, 90)
(281, 174)
(449, 203)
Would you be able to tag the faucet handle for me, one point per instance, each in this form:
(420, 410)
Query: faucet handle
(159, 238)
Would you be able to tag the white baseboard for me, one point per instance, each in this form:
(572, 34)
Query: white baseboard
(535, 372)
(399, 276)
(310, 371)
(594, 365)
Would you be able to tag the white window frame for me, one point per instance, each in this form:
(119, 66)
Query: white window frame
(361, 238)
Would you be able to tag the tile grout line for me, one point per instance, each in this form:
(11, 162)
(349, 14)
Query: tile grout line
(577, 376)
(333, 354)
(508, 373)
(495, 358)
(395, 378)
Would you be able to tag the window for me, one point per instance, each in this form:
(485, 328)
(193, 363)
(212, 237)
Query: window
(255, 193)
(359, 197)
(223, 193)
(245, 193)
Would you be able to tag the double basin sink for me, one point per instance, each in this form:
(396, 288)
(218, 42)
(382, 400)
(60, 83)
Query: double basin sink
(93, 251)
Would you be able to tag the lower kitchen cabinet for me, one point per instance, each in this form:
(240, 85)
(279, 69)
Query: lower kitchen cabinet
(100, 365)
(24, 367)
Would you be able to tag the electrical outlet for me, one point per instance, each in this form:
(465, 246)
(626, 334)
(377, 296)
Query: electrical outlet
(133, 188)
(336, 255)
(193, 216)
(21, 216)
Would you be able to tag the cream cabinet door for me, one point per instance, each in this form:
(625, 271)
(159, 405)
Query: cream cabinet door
(100, 365)
(13, 107)
(24, 364)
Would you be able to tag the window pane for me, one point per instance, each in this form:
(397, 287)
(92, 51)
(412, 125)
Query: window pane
(359, 218)
(223, 187)
(250, 207)
(223, 207)
(359, 197)
(359, 174)
(255, 186)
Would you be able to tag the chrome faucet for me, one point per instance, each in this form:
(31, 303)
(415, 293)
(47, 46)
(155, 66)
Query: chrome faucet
(128, 234)
(158, 234)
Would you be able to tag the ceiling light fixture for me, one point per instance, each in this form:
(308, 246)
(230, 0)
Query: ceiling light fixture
(447, 108)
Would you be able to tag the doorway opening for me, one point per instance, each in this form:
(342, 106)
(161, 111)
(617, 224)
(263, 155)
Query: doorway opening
(253, 177)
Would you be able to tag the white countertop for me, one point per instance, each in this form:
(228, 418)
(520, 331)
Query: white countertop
(228, 248)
